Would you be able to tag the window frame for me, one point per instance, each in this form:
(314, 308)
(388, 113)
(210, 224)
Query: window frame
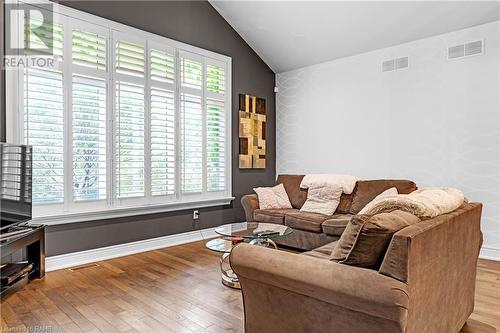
(113, 206)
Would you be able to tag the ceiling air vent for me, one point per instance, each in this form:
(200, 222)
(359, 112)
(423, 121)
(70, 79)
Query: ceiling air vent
(394, 64)
(465, 50)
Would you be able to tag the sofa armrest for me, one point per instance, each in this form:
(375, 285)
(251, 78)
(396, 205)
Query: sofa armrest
(353, 288)
(250, 203)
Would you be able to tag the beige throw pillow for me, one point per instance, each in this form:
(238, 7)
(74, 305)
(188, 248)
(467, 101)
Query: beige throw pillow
(322, 199)
(387, 193)
(273, 197)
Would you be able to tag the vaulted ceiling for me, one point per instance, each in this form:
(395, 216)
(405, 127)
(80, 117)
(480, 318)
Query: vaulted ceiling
(293, 34)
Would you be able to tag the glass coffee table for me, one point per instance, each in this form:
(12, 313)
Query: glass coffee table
(260, 234)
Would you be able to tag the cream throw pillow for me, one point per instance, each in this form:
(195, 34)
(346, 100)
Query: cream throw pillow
(387, 193)
(322, 199)
(272, 197)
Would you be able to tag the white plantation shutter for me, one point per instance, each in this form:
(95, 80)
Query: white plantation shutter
(216, 79)
(162, 142)
(192, 144)
(129, 58)
(88, 49)
(162, 66)
(216, 145)
(130, 140)
(162, 120)
(89, 91)
(43, 124)
(215, 85)
(44, 115)
(89, 138)
(191, 73)
(192, 111)
(203, 125)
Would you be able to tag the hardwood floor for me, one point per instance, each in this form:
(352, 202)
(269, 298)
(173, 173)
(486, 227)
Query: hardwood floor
(176, 289)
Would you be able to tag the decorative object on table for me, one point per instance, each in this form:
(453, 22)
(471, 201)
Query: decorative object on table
(237, 240)
(252, 135)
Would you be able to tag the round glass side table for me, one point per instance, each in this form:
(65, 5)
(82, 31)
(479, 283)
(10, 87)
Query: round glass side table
(224, 246)
(260, 234)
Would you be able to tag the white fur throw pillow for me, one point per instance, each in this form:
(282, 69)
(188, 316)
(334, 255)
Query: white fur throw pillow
(322, 199)
(273, 197)
(387, 193)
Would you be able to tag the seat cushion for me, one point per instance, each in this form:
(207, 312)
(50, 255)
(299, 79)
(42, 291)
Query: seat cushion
(276, 216)
(305, 221)
(366, 190)
(316, 254)
(335, 225)
(322, 252)
(327, 248)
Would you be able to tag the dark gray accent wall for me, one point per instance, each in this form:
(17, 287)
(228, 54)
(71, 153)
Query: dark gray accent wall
(196, 23)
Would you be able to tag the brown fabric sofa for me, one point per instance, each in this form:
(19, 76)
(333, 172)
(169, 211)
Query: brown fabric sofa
(425, 283)
(311, 230)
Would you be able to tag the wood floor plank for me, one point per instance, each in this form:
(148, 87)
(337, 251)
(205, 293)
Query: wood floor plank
(175, 289)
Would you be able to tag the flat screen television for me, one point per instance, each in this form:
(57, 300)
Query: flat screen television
(15, 184)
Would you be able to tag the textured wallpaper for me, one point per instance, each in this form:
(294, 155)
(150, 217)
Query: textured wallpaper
(436, 122)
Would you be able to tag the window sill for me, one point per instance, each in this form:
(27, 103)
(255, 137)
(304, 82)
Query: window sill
(129, 211)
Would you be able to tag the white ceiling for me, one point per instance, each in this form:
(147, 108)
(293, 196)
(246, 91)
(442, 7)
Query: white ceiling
(293, 34)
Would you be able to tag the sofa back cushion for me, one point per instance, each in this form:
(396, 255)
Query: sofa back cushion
(291, 183)
(366, 190)
(298, 196)
(345, 203)
(366, 238)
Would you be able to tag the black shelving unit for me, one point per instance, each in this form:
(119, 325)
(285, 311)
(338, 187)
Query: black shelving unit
(33, 240)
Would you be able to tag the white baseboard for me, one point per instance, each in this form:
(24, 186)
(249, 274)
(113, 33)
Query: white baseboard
(84, 257)
(491, 253)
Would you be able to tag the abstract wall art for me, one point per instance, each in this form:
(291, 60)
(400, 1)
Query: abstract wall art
(252, 132)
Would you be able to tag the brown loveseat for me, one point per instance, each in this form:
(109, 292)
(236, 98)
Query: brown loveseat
(425, 283)
(312, 230)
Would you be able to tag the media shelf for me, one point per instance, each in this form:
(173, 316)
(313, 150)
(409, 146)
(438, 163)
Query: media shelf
(15, 275)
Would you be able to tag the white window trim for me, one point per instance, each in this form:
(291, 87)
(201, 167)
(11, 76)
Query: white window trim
(130, 211)
(14, 120)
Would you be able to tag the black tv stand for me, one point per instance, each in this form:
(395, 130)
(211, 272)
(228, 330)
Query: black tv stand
(33, 239)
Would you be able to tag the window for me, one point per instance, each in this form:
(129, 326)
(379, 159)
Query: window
(124, 120)
(44, 130)
(130, 134)
(89, 138)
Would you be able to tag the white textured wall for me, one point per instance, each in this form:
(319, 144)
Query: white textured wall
(436, 122)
